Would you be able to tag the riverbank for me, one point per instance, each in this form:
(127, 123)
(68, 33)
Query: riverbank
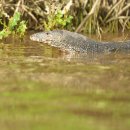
(88, 16)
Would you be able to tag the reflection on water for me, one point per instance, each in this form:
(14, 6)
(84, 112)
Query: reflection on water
(38, 82)
(28, 48)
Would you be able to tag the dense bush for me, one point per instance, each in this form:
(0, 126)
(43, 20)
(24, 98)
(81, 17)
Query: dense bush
(91, 16)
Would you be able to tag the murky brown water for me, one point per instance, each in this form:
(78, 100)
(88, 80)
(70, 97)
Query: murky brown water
(44, 88)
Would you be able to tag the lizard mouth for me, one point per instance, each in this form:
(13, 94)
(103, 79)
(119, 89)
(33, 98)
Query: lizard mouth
(33, 38)
(42, 37)
(43, 40)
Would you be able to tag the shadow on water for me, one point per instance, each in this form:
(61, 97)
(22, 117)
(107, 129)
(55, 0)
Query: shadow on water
(44, 88)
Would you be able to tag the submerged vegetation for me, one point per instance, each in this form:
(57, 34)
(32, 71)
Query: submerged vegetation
(89, 16)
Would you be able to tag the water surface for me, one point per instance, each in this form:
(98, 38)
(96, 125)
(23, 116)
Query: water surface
(44, 88)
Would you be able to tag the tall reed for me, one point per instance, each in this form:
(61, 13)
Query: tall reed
(90, 16)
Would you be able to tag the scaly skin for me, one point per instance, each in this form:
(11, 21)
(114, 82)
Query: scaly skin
(71, 41)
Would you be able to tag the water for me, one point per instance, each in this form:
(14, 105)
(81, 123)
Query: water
(44, 88)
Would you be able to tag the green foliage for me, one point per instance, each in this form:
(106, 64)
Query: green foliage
(15, 26)
(13, 21)
(21, 28)
(4, 34)
(57, 20)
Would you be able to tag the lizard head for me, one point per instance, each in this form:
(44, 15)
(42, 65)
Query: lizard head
(53, 38)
